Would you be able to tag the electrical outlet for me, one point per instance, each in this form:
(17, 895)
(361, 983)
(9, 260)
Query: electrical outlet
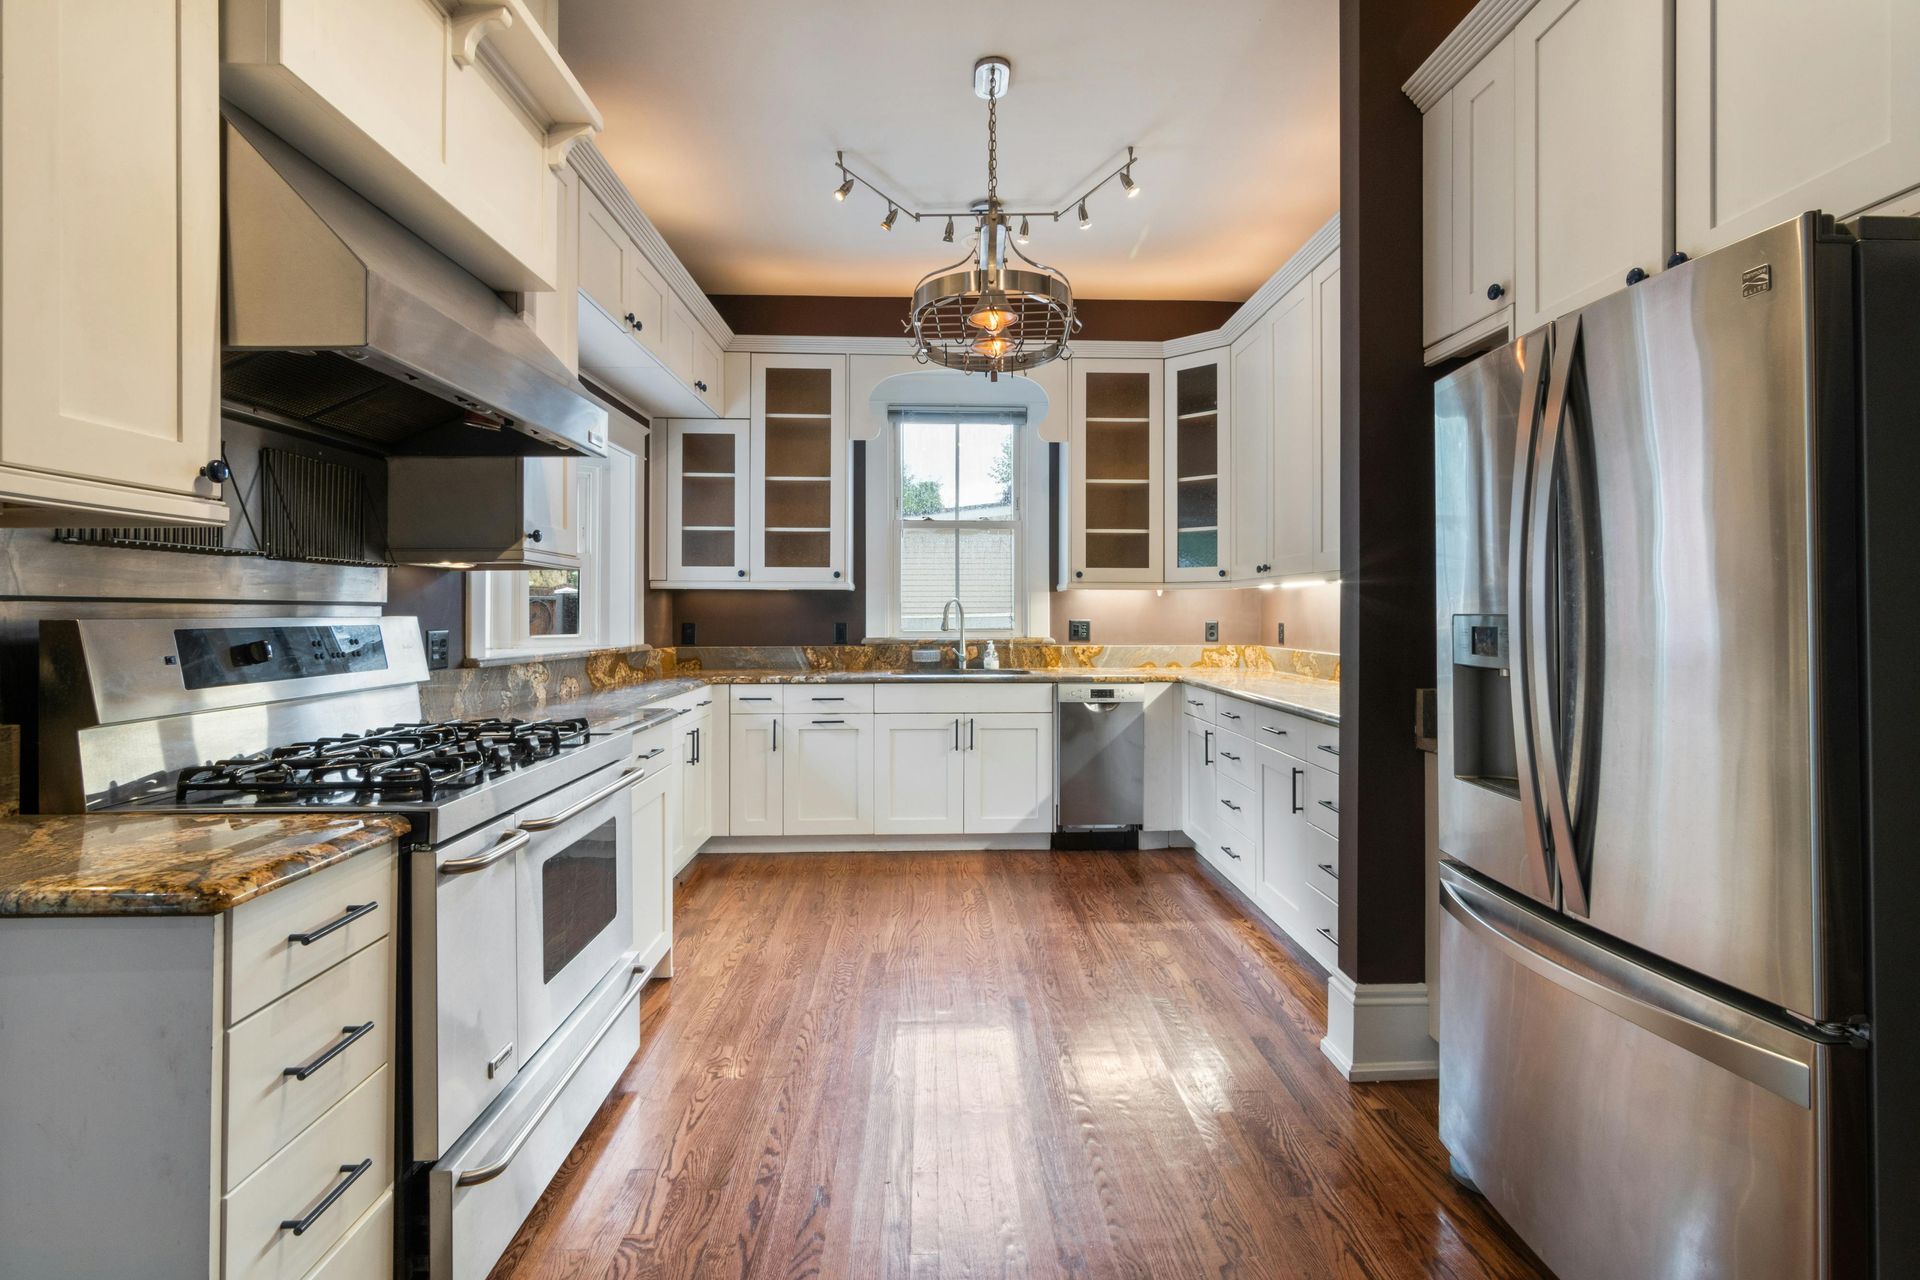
(686, 633)
(1079, 631)
(1213, 632)
(839, 633)
(438, 643)
(1280, 634)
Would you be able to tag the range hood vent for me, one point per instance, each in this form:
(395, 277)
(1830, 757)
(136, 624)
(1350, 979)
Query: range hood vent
(341, 322)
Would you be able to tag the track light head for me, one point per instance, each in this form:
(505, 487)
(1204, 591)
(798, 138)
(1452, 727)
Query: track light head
(886, 223)
(1127, 184)
(844, 190)
(1026, 233)
(947, 235)
(1086, 219)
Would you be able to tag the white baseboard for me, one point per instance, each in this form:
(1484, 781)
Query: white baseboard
(1379, 1031)
(874, 844)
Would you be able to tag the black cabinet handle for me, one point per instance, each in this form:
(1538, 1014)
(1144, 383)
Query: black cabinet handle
(956, 733)
(1328, 935)
(1675, 259)
(1278, 733)
(217, 471)
(826, 697)
(700, 386)
(1228, 850)
(353, 1171)
(648, 755)
(1297, 806)
(739, 573)
(338, 1047)
(1325, 866)
(1495, 292)
(696, 746)
(351, 914)
(1332, 751)
(1078, 574)
(635, 321)
(1228, 755)
(1330, 806)
(1206, 746)
(1636, 275)
(1223, 573)
(1231, 805)
(1231, 715)
(970, 738)
(829, 722)
(836, 573)
(533, 535)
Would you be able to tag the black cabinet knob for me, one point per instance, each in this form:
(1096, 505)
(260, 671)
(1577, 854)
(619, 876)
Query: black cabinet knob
(1223, 573)
(739, 573)
(1078, 574)
(635, 321)
(1495, 292)
(1636, 275)
(836, 573)
(700, 387)
(217, 471)
(1676, 259)
(533, 535)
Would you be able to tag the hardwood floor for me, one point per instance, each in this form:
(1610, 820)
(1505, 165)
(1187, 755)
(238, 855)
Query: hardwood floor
(966, 1064)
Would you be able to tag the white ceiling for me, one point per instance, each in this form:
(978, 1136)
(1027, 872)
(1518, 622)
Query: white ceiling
(723, 117)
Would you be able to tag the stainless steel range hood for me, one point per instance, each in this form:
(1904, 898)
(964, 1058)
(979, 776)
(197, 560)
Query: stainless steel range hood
(341, 321)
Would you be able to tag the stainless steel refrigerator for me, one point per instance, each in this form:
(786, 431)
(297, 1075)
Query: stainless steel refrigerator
(1671, 597)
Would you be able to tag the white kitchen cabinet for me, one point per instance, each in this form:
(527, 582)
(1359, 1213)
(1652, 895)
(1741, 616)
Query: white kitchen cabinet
(1251, 503)
(1326, 357)
(555, 315)
(1116, 511)
(798, 505)
(1480, 188)
(704, 496)
(109, 262)
(1283, 863)
(716, 755)
(555, 491)
(1436, 221)
(709, 370)
(1593, 121)
(756, 777)
(1293, 493)
(451, 118)
(1198, 792)
(1199, 453)
(644, 303)
(695, 731)
(919, 773)
(656, 843)
(603, 248)
(828, 787)
(1781, 107)
(1009, 773)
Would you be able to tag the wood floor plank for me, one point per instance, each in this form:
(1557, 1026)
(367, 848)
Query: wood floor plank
(996, 1064)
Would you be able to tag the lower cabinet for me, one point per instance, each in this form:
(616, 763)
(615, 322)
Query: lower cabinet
(656, 844)
(1283, 852)
(756, 787)
(696, 783)
(919, 773)
(827, 781)
(1198, 791)
(1009, 773)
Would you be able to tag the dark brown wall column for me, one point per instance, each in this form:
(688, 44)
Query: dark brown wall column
(1386, 489)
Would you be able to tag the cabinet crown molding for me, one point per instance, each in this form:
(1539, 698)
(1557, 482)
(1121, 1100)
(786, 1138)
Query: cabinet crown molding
(1484, 27)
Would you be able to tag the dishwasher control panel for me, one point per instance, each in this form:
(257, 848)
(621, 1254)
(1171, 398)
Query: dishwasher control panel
(1102, 693)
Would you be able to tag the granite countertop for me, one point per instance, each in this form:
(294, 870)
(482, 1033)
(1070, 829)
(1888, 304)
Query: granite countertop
(123, 864)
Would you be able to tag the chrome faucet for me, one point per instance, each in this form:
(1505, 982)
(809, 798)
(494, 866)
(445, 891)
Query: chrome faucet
(946, 612)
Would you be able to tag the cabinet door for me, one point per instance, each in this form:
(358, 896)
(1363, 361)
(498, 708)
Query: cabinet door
(676, 345)
(1436, 221)
(1198, 792)
(1281, 877)
(707, 369)
(552, 505)
(918, 774)
(1783, 107)
(1295, 484)
(1326, 355)
(1592, 111)
(799, 508)
(1481, 187)
(1118, 464)
(1199, 454)
(1009, 768)
(829, 775)
(656, 844)
(603, 252)
(706, 501)
(715, 754)
(110, 253)
(696, 787)
(756, 788)
(643, 298)
(1251, 506)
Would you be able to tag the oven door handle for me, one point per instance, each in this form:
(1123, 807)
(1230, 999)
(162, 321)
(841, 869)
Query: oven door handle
(508, 844)
(578, 807)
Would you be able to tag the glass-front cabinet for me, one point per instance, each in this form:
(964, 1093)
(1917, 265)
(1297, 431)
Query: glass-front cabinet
(799, 490)
(1199, 468)
(706, 495)
(1117, 492)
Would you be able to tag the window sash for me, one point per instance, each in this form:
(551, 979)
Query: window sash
(1013, 523)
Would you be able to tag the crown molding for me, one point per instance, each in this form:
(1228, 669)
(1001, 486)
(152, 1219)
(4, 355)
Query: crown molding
(1485, 26)
(1278, 285)
(600, 179)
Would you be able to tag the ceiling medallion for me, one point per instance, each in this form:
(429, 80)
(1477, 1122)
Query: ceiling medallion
(996, 310)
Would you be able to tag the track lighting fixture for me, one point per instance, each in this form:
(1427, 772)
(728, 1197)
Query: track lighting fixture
(1086, 219)
(886, 223)
(1026, 233)
(845, 188)
(947, 235)
(1127, 184)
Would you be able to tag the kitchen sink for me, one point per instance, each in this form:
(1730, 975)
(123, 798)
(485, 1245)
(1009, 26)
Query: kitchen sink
(961, 673)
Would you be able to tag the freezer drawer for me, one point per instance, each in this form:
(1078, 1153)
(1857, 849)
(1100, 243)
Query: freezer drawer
(1625, 1125)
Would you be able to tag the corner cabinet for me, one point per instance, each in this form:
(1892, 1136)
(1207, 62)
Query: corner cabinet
(1116, 514)
(703, 492)
(109, 262)
(798, 505)
(1199, 444)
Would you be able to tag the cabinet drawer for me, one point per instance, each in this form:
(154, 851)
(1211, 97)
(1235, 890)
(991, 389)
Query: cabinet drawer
(1322, 920)
(826, 699)
(1237, 810)
(337, 1030)
(661, 739)
(1323, 743)
(1234, 853)
(1236, 758)
(294, 1184)
(755, 699)
(1196, 702)
(1282, 732)
(337, 911)
(1323, 800)
(962, 697)
(367, 1251)
(1323, 865)
(1231, 713)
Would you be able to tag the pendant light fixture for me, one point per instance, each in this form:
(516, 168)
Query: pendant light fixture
(996, 310)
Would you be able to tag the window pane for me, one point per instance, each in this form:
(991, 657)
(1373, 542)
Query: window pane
(928, 575)
(926, 470)
(553, 602)
(986, 471)
(986, 578)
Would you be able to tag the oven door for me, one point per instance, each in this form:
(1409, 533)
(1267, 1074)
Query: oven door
(575, 893)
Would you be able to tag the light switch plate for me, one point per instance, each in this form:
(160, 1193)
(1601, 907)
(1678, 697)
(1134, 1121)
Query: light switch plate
(1079, 631)
(686, 633)
(1213, 632)
(437, 650)
(1280, 634)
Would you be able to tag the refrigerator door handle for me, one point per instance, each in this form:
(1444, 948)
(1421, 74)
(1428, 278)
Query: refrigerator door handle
(1542, 652)
(1539, 864)
(1764, 1054)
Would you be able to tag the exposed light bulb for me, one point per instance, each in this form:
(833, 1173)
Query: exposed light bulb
(993, 346)
(844, 190)
(886, 223)
(1025, 233)
(994, 313)
(1086, 219)
(947, 235)
(1127, 184)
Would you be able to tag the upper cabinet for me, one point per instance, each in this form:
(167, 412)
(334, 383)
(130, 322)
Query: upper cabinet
(1199, 461)
(1468, 199)
(1293, 504)
(1326, 359)
(1118, 461)
(799, 507)
(1780, 108)
(1593, 115)
(109, 262)
(454, 120)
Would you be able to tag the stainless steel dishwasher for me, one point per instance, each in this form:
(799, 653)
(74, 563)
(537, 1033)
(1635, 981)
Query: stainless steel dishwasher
(1103, 756)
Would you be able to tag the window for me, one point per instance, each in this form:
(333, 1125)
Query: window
(957, 519)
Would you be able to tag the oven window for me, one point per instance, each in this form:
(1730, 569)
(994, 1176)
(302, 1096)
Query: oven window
(579, 891)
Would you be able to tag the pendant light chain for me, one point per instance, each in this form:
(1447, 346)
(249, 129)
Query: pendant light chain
(993, 139)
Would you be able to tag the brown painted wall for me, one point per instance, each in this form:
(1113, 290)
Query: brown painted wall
(1106, 320)
(1386, 489)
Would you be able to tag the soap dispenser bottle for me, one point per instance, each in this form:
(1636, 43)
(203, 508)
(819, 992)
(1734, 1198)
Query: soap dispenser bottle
(990, 660)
